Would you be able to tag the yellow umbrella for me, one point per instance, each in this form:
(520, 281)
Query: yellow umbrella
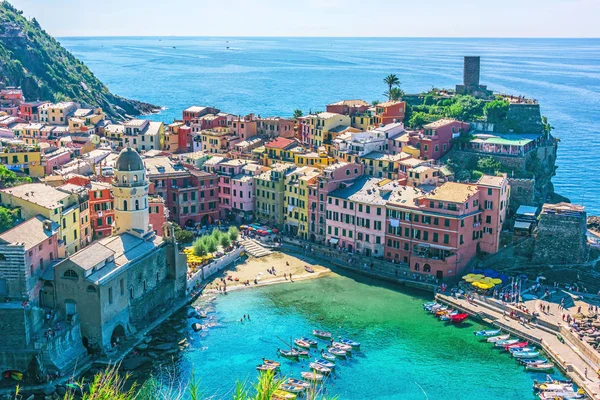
(470, 280)
(478, 276)
(497, 281)
(466, 277)
(487, 280)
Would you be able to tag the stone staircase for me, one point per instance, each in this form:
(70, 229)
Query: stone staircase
(254, 248)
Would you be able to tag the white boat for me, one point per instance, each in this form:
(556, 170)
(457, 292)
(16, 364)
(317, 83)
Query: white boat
(325, 363)
(484, 333)
(311, 376)
(525, 354)
(337, 352)
(342, 346)
(351, 343)
(498, 338)
(540, 367)
(319, 368)
(298, 382)
(328, 356)
(506, 342)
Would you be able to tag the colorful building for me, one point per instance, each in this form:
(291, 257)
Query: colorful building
(280, 150)
(102, 214)
(297, 183)
(435, 140)
(142, 135)
(25, 159)
(269, 193)
(355, 215)
(388, 112)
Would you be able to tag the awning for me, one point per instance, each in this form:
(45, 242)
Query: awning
(522, 225)
(334, 240)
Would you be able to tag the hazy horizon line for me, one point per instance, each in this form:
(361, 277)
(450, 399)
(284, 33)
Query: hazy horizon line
(336, 37)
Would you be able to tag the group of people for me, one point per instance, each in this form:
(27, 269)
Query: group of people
(245, 317)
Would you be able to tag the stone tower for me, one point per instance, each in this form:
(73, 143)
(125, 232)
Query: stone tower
(471, 71)
(130, 192)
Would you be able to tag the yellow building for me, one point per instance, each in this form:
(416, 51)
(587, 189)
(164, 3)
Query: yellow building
(90, 116)
(59, 112)
(217, 140)
(57, 205)
(114, 133)
(26, 159)
(362, 122)
(315, 159)
(280, 150)
(382, 165)
(31, 133)
(296, 200)
(144, 135)
(326, 126)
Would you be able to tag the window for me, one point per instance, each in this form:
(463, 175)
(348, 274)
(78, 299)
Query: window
(110, 295)
(446, 238)
(435, 237)
(137, 204)
(131, 292)
(90, 289)
(125, 205)
(446, 223)
(488, 219)
(70, 274)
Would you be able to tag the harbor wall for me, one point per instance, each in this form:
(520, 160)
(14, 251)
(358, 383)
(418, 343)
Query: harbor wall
(215, 266)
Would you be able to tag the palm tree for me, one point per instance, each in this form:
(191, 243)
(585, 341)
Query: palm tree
(394, 94)
(391, 80)
(375, 102)
(297, 113)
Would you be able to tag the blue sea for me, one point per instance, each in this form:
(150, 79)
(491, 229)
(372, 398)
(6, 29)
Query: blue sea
(274, 76)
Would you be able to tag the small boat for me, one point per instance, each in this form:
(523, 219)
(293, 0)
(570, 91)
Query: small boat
(486, 333)
(525, 354)
(507, 342)
(301, 353)
(342, 346)
(266, 367)
(319, 368)
(351, 343)
(517, 345)
(271, 362)
(540, 367)
(313, 343)
(322, 334)
(325, 363)
(552, 387)
(441, 312)
(458, 318)
(291, 388)
(527, 361)
(336, 351)
(561, 395)
(298, 382)
(311, 376)
(328, 356)
(515, 349)
(437, 310)
(498, 338)
(309, 269)
(302, 343)
(283, 395)
(289, 354)
(429, 304)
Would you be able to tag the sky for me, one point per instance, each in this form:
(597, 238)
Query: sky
(352, 18)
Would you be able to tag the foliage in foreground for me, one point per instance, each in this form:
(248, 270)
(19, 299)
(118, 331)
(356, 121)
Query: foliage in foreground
(111, 385)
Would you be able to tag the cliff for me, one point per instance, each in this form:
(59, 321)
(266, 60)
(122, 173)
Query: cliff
(34, 60)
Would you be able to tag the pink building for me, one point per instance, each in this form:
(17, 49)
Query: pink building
(27, 250)
(158, 213)
(194, 112)
(55, 159)
(244, 128)
(439, 233)
(356, 215)
(327, 182)
(349, 107)
(242, 196)
(226, 170)
(435, 140)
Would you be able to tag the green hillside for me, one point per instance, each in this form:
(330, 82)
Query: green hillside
(34, 60)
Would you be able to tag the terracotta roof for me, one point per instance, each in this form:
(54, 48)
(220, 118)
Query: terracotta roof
(350, 103)
(439, 123)
(388, 103)
(30, 233)
(489, 180)
(279, 143)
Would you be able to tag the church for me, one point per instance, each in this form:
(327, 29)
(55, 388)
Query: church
(121, 283)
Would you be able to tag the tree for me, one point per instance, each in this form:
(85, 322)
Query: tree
(182, 236)
(417, 119)
(297, 114)
(233, 233)
(495, 111)
(7, 219)
(199, 248)
(466, 108)
(225, 241)
(375, 102)
(391, 80)
(488, 165)
(394, 94)
(547, 127)
(212, 245)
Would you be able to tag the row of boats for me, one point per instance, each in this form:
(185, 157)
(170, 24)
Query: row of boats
(320, 367)
(444, 313)
(530, 357)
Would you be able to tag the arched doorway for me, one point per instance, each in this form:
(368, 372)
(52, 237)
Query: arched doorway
(118, 335)
(47, 295)
(190, 223)
(204, 220)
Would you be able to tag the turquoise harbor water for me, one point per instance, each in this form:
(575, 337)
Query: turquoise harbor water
(407, 353)
(274, 76)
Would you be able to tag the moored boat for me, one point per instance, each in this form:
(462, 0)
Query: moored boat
(342, 346)
(328, 356)
(540, 367)
(525, 354)
(301, 353)
(312, 342)
(291, 388)
(291, 354)
(266, 367)
(553, 387)
(271, 362)
(309, 269)
(298, 382)
(337, 352)
(325, 363)
(458, 318)
(302, 343)
(283, 395)
(486, 333)
(517, 345)
(351, 343)
(498, 338)
(322, 334)
(507, 342)
(319, 368)
(515, 349)
(527, 361)
(311, 376)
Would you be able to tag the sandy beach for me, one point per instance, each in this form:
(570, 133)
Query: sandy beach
(256, 268)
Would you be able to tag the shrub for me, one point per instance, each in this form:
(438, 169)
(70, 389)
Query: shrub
(233, 233)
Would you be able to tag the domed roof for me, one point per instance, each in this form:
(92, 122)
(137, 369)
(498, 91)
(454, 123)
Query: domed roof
(129, 160)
